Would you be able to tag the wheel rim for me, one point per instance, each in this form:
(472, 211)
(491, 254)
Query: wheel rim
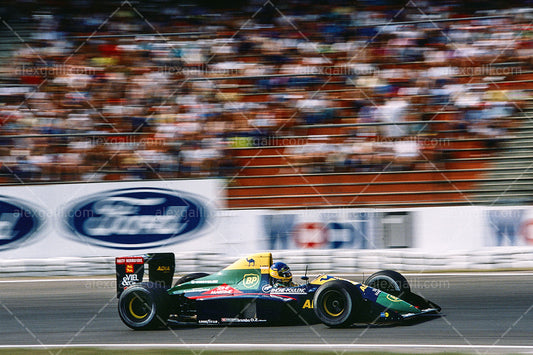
(334, 303)
(138, 307)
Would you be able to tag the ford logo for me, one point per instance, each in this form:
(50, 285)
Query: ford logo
(18, 222)
(137, 218)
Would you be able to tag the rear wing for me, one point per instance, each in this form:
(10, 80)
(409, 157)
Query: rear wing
(130, 270)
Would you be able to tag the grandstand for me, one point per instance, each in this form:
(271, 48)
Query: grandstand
(337, 107)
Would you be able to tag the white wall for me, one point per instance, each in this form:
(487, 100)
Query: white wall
(426, 231)
(450, 228)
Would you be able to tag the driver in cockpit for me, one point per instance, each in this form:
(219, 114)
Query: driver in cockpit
(280, 275)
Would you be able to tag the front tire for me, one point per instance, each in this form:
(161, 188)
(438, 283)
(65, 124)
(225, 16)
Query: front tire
(336, 303)
(389, 281)
(144, 306)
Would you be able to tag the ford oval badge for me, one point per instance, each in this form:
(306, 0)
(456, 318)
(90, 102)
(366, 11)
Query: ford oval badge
(137, 218)
(18, 222)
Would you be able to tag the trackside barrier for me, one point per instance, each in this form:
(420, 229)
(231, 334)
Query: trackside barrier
(316, 261)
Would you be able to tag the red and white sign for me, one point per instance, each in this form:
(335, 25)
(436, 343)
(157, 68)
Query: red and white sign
(129, 260)
(311, 235)
(223, 289)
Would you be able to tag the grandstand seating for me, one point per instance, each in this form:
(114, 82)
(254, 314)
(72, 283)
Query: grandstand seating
(459, 167)
(473, 174)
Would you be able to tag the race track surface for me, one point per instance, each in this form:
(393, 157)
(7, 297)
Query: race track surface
(482, 313)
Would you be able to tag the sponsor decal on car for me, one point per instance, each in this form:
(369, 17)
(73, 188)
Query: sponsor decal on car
(308, 304)
(288, 290)
(251, 280)
(242, 320)
(266, 288)
(129, 280)
(18, 222)
(323, 279)
(208, 321)
(384, 315)
(199, 289)
(393, 298)
(137, 218)
(204, 281)
(132, 267)
(222, 290)
(130, 260)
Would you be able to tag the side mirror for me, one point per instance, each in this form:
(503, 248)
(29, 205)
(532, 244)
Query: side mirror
(305, 277)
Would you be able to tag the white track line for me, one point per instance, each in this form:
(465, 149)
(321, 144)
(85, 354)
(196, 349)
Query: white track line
(18, 281)
(248, 346)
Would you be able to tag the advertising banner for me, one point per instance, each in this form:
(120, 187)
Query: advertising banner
(103, 219)
(132, 218)
(336, 229)
(508, 226)
(435, 229)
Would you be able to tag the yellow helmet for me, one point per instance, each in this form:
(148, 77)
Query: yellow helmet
(280, 273)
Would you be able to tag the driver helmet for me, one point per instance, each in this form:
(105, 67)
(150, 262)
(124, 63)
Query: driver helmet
(281, 274)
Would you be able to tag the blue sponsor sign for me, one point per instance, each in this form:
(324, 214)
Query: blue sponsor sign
(18, 222)
(283, 231)
(136, 218)
(505, 225)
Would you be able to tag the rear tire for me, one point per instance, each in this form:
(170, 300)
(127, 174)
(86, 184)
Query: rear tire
(389, 281)
(144, 306)
(336, 303)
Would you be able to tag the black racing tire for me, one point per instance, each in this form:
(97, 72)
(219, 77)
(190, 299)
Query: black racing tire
(190, 277)
(144, 306)
(336, 303)
(389, 281)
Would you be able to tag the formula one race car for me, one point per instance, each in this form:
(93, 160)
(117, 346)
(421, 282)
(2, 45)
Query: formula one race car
(242, 293)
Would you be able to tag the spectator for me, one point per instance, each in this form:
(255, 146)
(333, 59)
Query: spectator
(246, 81)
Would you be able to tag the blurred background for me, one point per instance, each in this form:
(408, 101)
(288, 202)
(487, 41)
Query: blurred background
(293, 103)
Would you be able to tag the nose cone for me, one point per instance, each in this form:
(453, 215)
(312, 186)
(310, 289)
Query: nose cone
(393, 303)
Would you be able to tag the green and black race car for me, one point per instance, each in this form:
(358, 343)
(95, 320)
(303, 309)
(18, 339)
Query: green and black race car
(242, 293)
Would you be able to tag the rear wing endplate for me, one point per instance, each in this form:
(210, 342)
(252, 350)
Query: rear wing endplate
(130, 269)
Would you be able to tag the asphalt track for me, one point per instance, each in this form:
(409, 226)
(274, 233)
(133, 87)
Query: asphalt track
(482, 313)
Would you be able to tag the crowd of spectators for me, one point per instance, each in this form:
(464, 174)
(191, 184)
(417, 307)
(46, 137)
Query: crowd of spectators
(159, 90)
